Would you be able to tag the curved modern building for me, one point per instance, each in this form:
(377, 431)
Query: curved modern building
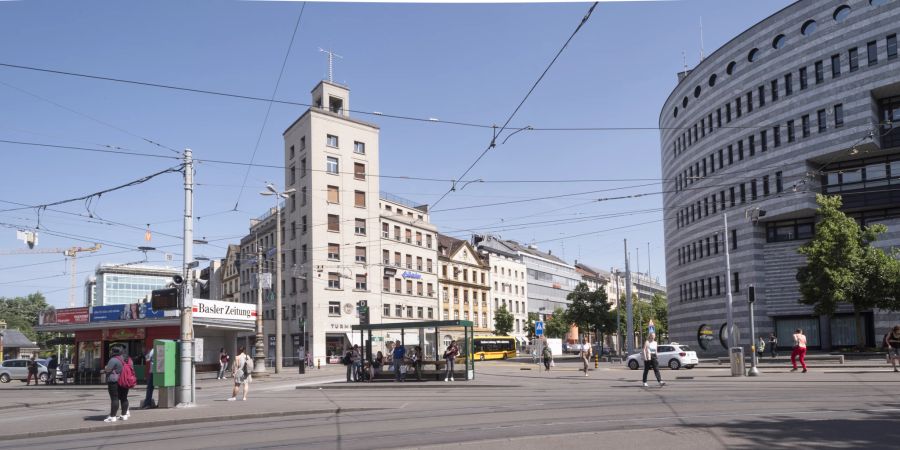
(803, 102)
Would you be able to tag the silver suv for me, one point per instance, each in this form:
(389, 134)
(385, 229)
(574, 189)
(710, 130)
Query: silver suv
(17, 369)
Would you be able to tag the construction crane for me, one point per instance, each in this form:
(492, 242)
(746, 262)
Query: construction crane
(71, 253)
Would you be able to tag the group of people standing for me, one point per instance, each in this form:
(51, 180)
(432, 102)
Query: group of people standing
(401, 360)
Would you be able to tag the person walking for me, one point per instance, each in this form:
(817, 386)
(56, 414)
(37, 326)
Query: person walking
(892, 342)
(773, 345)
(151, 366)
(547, 356)
(450, 358)
(52, 365)
(760, 347)
(240, 372)
(585, 354)
(118, 395)
(32, 371)
(397, 356)
(650, 359)
(223, 363)
(799, 350)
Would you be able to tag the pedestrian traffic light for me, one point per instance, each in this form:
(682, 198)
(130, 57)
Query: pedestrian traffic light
(751, 295)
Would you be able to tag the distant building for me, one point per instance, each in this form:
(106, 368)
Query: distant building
(125, 284)
(507, 280)
(550, 279)
(17, 345)
(90, 290)
(464, 283)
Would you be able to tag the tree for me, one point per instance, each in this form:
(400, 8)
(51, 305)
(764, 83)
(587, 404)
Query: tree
(503, 322)
(591, 310)
(842, 266)
(557, 325)
(21, 313)
(659, 310)
(529, 327)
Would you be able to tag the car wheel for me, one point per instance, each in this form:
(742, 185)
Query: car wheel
(633, 364)
(43, 377)
(674, 364)
(4, 378)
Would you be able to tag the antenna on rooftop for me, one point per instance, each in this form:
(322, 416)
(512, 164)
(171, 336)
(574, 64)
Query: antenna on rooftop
(331, 56)
(701, 38)
(684, 62)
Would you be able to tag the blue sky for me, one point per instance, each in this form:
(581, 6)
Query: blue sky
(469, 63)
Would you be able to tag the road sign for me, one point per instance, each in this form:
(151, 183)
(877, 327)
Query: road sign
(539, 328)
(651, 328)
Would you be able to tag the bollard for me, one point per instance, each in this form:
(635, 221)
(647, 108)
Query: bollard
(318, 363)
(596, 362)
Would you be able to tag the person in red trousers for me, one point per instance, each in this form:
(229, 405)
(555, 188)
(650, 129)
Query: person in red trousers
(799, 350)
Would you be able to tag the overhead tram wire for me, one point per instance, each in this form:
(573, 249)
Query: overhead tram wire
(493, 142)
(89, 117)
(269, 106)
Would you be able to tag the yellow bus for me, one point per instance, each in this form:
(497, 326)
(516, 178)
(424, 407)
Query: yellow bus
(494, 347)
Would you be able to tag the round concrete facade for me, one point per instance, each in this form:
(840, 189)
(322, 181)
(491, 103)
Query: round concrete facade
(796, 105)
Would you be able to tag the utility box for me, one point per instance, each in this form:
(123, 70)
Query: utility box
(165, 357)
(737, 361)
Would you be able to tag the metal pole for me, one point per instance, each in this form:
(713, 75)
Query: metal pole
(618, 320)
(186, 355)
(629, 306)
(753, 372)
(278, 313)
(259, 357)
(728, 306)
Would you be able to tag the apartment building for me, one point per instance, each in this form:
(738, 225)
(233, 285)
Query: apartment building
(507, 280)
(465, 283)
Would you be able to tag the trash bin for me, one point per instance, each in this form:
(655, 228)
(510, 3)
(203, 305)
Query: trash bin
(737, 362)
(302, 367)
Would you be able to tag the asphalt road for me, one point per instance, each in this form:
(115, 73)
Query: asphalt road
(508, 407)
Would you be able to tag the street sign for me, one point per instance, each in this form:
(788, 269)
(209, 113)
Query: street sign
(539, 328)
(651, 328)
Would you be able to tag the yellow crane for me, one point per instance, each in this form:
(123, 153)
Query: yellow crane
(71, 253)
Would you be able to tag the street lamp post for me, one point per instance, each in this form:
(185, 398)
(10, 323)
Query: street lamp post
(271, 190)
(259, 356)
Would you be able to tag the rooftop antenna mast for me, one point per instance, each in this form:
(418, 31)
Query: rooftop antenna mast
(331, 56)
(701, 38)
(684, 62)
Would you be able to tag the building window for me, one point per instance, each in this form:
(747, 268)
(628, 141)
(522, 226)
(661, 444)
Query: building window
(790, 230)
(809, 27)
(303, 168)
(359, 199)
(804, 125)
(779, 186)
(790, 131)
(360, 254)
(763, 141)
(892, 46)
(841, 13)
(820, 72)
(292, 172)
(334, 309)
(820, 117)
(788, 84)
(853, 56)
(736, 283)
(761, 95)
(359, 147)
(835, 66)
(431, 313)
(872, 52)
(765, 184)
(334, 195)
(361, 284)
(776, 136)
(360, 227)
(386, 310)
(359, 171)
(334, 222)
(774, 90)
(331, 165)
(804, 81)
(409, 312)
(334, 252)
(303, 196)
(331, 141)
(398, 310)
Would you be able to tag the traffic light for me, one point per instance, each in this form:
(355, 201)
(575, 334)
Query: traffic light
(751, 295)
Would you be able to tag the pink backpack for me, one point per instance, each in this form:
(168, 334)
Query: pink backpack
(127, 378)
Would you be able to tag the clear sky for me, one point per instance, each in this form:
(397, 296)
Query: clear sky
(468, 63)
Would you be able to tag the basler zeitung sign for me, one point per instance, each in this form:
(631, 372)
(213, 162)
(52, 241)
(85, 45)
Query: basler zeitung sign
(216, 309)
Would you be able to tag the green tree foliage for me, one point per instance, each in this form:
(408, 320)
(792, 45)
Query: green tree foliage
(21, 313)
(591, 310)
(557, 325)
(503, 322)
(842, 266)
(529, 327)
(656, 309)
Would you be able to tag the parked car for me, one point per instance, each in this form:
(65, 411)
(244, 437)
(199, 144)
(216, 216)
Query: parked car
(572, 348)
(44, 362)
(673, 356)
(17, 369)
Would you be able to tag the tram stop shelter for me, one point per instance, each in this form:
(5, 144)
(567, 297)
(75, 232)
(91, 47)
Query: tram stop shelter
(431, 336)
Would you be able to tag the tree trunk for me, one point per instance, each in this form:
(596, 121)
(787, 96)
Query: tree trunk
(860, 338)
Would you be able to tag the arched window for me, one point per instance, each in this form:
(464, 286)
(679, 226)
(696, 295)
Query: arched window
(684, 103)
(697, 92)
(841, 13)
(877, 2)
(712, 80)
(751, 57)
(809, 27)
(676, 112)
(779, 41)
(730, 68)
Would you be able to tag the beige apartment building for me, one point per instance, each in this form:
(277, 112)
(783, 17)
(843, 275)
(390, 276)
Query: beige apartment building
(465, 284)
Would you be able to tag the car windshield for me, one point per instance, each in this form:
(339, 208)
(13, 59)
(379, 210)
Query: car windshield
(684, 348)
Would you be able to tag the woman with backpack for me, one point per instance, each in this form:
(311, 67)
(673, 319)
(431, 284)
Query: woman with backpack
(120, 378)
(240, 371)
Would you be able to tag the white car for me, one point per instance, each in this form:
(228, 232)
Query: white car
(673, 356)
